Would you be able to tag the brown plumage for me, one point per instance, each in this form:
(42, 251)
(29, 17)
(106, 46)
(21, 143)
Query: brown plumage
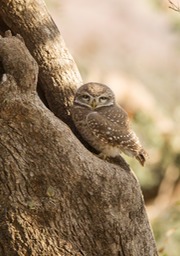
(104, 124)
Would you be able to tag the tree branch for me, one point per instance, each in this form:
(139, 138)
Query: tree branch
(58, 73)
(55, 183)
(57, 198)
(174, 7)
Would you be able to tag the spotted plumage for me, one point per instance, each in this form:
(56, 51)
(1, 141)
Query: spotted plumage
(103, 123)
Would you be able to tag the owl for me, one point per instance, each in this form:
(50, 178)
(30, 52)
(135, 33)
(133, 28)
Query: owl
(104, 124)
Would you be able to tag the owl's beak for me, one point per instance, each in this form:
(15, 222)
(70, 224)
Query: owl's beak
(93, 104)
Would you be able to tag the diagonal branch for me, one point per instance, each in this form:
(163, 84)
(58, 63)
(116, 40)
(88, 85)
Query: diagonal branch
(174, 6)
(58, 73)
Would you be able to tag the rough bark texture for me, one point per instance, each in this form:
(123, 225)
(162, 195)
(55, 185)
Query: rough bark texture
(58, 74)
(56, 197)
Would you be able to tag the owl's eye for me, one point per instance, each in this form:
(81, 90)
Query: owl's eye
(85, 97)
(103, 99)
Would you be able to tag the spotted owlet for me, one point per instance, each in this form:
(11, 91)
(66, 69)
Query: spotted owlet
(104, 124)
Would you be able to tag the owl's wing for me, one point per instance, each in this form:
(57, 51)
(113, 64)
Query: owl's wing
(111, 125)
(112, 118)
(117, 115)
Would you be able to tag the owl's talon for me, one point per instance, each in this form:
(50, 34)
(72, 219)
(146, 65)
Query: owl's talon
(102, 156)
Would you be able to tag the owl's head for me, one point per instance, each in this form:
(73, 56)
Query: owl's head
(94, 95)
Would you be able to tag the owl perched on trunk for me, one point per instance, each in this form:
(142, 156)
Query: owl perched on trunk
(104, 124)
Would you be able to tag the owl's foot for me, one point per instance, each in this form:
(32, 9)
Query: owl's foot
(118, 160)
(103, 156)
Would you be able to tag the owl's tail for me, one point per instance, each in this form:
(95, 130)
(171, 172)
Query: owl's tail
(142, 156)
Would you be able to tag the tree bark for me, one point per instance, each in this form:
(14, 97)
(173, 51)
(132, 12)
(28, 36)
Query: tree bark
(56, 197)
(58, 73)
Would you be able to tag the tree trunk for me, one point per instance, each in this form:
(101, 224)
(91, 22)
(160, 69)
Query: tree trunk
(56, 197)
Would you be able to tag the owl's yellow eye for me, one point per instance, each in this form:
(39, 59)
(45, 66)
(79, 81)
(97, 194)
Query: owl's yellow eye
(103, 99)
(86, 97)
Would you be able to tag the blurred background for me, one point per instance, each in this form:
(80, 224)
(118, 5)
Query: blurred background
(134, 47)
